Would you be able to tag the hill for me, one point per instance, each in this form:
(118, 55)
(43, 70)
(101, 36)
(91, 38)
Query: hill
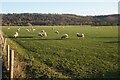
(35, 19)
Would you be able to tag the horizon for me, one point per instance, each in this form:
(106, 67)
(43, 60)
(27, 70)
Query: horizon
(77, 8)
(60, 14)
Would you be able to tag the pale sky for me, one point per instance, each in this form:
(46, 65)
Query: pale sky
(79, 7)
(59, 0)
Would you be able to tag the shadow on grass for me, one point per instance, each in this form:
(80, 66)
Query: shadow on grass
(34, 38)
(104, 37)
(45, 39)
(55, 39)
(113, 42)
(21, 37)
(5, 73)
(106, 76)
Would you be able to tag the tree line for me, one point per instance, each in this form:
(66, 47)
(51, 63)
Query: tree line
(37, 19)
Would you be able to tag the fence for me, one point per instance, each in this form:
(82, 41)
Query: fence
(7, 56)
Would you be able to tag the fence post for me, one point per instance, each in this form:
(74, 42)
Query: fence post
(8, 57)
(1, 62)
(4, 46)
(11, 64)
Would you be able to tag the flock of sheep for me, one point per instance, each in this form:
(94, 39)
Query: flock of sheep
(43, 33)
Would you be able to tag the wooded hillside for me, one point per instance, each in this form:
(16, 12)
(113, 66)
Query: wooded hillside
(25, 19)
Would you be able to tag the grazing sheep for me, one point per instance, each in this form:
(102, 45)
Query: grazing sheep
(43, 31)
(8, 28)
(57, 32)
(42, 34)
(28, 30)
(18, 29)
(33, 29)
(16, 34)
(64, 36)
(80, 35)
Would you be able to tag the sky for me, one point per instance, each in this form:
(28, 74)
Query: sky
(78, 7)
(59, 0)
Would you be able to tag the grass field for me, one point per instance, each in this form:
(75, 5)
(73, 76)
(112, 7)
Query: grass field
(95, 56)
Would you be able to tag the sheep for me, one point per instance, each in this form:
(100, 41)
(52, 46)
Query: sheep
(18, 29)
(42, 34)
(57, 32)
(80, 35)
(28, 30)
(16, 34)
(43, 31)
(64, 36)
(8, 28)
(33, 29)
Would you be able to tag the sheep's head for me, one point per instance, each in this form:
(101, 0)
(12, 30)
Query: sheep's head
(64, 36)
(57, 32)
(77, 33)
(43, 31)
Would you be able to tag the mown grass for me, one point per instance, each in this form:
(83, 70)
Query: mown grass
(95, 56)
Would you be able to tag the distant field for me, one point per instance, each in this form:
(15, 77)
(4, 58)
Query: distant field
(95, 56)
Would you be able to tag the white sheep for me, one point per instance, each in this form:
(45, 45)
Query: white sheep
(18, 29)
(33, 29)
(42, 34)
(57, 32)
(8, 28)
(64, 36)
(43, 31)
(80, 35)
(28, 30)
(16, 34)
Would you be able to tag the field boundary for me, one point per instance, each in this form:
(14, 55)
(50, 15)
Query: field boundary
(18, 63)
(7, 57)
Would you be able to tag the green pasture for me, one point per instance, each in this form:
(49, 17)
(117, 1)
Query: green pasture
(94, 56)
